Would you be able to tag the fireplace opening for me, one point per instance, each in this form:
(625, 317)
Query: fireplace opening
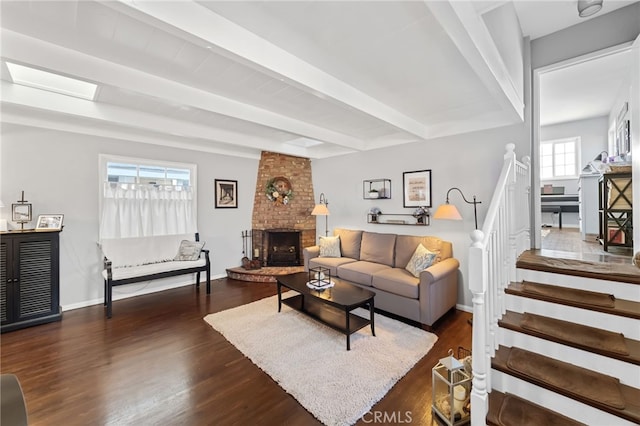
(282, 248)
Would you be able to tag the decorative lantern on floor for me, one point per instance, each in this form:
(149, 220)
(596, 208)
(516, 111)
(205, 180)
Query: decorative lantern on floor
(451, 389)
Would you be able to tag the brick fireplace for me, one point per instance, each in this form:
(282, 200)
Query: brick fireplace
(276, 217)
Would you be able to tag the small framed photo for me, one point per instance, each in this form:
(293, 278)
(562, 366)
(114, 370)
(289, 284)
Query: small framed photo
(226, 194)
(49, 222)
(21, 213)
(417, 188)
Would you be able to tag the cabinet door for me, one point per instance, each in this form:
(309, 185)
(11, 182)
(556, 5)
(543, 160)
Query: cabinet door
(37, 276)
(6, 310)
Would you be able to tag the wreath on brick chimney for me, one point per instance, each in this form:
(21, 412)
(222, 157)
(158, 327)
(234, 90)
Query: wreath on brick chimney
(279, 190)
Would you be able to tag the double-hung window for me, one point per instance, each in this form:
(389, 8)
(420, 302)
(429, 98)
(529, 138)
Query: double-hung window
(559, 158)
(145, 197)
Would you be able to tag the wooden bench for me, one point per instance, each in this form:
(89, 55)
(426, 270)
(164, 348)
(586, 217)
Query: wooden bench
(132, 260)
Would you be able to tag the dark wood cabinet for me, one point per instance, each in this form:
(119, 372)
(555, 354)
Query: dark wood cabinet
(616, 210)
(29, 278)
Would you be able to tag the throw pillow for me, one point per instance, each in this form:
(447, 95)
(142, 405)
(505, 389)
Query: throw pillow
(421, 260)
(330, 247)
(189, 250)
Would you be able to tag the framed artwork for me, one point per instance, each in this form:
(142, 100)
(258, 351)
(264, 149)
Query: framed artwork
(417, 188)
(48, 222)
(226, 194)
(623, 138)
(21, 213)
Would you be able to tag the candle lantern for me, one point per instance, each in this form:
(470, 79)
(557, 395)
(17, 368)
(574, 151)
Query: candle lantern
(451, 391)
(319, 278)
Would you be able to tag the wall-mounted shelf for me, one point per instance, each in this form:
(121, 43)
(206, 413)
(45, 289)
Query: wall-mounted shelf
(397, 219)
(382, 189)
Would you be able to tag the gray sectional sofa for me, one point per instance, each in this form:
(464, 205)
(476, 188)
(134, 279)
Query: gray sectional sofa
(377, 262)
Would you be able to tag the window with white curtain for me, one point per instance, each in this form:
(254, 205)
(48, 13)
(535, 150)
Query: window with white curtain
(145, 197)
(559, 158)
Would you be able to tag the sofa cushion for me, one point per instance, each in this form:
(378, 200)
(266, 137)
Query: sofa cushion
(330, 262)
(397, 281)
(330, 247)
(378, 248)
(421, 260)
(349, 242)
(406, 245)
(360, 272)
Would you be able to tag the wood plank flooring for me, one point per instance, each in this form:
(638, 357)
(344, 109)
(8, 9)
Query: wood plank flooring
(156, 362)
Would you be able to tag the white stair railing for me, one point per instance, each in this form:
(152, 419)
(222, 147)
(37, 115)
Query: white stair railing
(492, 265)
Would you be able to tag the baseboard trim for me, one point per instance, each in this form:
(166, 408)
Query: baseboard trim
(142, 291)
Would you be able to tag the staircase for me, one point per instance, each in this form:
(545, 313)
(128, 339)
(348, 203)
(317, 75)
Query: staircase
(556, 341)
(568, 345)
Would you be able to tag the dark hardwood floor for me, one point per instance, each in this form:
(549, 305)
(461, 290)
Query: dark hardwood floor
(156, 362)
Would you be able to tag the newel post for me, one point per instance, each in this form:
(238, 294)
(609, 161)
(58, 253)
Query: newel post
(480, 358)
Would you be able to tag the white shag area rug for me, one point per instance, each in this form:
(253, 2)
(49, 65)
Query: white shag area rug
(311, 362)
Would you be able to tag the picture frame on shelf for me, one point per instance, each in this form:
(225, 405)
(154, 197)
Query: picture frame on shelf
(416, 188)
(49, 222)
(21, 212)
(226, 194)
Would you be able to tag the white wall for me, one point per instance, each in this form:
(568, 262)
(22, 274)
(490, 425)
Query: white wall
(59, 173)
(471, 162)
(593, 140)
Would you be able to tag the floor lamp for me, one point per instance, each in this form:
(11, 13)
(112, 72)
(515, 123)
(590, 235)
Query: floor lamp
(450, 212)
(321, 209)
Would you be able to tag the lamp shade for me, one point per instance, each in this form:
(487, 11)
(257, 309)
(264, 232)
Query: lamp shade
(447, 211)
(320, 210)
(588, 7)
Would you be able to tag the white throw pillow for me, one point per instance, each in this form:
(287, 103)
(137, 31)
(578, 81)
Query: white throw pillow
(330, 247)
(421, 260)
(189, 250)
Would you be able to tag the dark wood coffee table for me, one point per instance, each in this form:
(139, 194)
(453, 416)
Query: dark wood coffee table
(332, 306)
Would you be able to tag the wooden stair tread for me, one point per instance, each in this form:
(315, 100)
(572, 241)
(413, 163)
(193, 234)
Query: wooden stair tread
(620, 272)
(623, 308)
(513, 321)
(509, 410)
(627, 394)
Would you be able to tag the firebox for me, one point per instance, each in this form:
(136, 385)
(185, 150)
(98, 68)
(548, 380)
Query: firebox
(282, 247)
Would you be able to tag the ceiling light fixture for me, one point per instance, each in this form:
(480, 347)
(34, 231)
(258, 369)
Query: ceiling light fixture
(51, 82)
(589, 7)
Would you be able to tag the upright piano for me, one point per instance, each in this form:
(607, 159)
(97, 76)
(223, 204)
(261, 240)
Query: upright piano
(559, 203)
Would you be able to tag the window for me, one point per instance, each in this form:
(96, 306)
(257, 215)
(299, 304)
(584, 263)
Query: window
(144, 197)
(559, 159)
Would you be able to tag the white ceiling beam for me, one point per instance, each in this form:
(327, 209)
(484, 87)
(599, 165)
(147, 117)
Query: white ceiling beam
(252, 50)
(15, 114)
(43, 54)
(76, 108)
(462, 22)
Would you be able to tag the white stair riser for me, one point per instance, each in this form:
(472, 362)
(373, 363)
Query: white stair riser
(622, 291)
(626, 372)
(628, 326)
(553, 401)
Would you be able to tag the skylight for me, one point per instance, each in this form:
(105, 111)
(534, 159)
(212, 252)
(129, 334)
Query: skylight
(52, 82)
(304, 142)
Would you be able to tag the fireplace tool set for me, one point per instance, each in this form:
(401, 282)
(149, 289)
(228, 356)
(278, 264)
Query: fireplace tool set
(247, 245)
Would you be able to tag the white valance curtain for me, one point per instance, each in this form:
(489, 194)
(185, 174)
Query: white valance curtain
(139, 210)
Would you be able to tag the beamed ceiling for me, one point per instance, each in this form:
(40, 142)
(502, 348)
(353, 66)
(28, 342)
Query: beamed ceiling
(308, 78)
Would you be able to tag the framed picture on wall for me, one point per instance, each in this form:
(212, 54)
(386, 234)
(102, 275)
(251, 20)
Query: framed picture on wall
(623, 138)
(417, 188)
(226, 194)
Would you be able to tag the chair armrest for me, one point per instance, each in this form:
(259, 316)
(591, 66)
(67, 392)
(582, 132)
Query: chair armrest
(309, 253)
(107, 266)
(439, 270)
(206, 254)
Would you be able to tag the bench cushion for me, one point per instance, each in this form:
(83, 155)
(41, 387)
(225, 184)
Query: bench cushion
(138, 251)
(152, 268)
